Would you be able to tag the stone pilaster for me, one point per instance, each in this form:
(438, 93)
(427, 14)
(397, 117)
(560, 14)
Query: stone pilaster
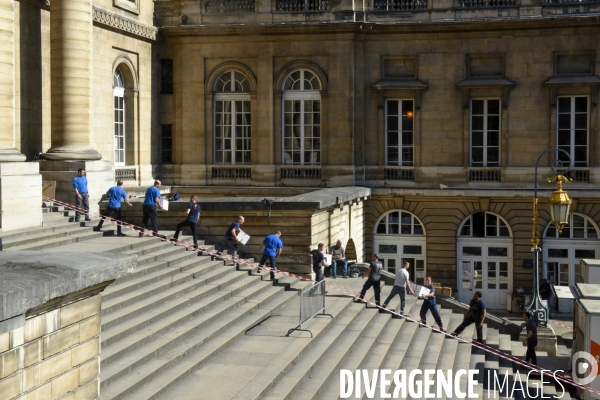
(71, 86)
(8, 151)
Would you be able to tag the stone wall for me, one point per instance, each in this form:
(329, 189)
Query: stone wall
(50, 322)
(55, 354)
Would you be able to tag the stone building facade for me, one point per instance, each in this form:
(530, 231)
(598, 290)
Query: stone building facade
(395, 96)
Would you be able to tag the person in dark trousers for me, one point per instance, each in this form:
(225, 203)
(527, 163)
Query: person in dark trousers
(193, 215)
(401, 283)
(231, 236)
(474, 315)
(531, 338)
(338, 255)
(546, 293)
(151, 203)
(114, 196)
(273, 248)
(374, 280)
(82, 195)
(318, 259)
(429, 304)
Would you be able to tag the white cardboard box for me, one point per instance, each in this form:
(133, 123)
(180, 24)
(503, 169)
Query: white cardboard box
(165, 204)
(243, 237)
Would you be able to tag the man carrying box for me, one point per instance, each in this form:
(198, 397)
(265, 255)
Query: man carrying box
(151, 202)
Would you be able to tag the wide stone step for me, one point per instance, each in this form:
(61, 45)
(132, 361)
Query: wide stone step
(193, 279)
(53, 243)
(114, 348)
(192, 344)
(322, 348)
(152, 281)
(48, 234)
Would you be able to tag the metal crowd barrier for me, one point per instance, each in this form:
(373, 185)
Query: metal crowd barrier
(312, 304)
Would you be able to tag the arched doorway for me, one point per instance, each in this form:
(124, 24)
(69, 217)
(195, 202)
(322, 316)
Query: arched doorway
(484, 259)
(399, 236)
(562, 252)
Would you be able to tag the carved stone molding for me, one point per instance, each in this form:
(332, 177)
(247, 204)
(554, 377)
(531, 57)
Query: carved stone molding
(105, 17)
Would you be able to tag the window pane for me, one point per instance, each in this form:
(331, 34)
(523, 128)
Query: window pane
(418, 229)
(493, 123)
(564, 104)
(582, 253)
(477, 138)
(477, 107)
(580, 104)
(392, 108)
(494, 107)
(497, 251)
(392, 139)
(558, 253)
(477, 123)
(388, 249)
(412, 249)
(471, 251)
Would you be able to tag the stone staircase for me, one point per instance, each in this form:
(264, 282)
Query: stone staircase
(184, 326)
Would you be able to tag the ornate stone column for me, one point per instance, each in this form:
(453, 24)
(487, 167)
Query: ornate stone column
(8, 151)
(71, 41)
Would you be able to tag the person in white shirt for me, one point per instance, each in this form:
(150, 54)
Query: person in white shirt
(400, 286)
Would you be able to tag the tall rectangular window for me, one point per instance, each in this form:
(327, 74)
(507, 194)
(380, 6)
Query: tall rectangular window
(166, 141)
(119, 122)
(166, 76)
(572, 129)
(232, 132)
(302, 132)
(485, 133)
(399, 138)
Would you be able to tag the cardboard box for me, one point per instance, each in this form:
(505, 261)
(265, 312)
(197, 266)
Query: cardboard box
(243, 237)
(165, 204)
(447, 291)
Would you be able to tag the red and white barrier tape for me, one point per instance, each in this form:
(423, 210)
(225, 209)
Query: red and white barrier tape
(563, 325)
(344, 290)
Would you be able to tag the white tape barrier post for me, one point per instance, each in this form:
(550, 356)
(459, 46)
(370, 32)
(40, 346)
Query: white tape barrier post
(341, 289)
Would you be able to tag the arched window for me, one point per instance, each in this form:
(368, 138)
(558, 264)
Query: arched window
(579, 227)
(398, 237)
(483, 224)
(119, 116)
(562, 252)
(399, 223)
(232, 127)
(301, 119)
(484, 258)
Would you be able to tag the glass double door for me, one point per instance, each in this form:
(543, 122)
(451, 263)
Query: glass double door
(488, 277)
(393, 254)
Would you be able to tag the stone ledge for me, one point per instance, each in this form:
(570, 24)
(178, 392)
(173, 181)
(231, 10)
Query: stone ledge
(30, 279)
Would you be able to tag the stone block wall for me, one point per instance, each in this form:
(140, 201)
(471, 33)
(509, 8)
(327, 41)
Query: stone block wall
(55, 355)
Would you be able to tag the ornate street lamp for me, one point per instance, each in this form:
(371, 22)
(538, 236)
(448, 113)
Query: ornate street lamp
(560, 204)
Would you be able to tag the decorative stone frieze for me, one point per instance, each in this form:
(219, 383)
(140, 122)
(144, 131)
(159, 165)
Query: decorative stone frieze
(105, 17)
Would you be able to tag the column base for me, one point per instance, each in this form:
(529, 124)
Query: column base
(100, 176)
(21, 200)
(72, 154)
(11, 155)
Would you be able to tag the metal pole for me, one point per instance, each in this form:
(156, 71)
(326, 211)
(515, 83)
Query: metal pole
(535, 306)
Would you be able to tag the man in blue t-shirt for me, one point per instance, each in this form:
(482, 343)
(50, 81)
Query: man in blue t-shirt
(82, 195)
(273, 248)
(193, 215)
(231, 237)
(475, 315)
(114, 196)
(151, 203)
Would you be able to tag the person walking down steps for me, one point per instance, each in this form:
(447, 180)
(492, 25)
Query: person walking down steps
(193, 216)
(114, 195)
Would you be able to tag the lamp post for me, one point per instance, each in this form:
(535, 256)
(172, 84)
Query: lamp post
(560, 204)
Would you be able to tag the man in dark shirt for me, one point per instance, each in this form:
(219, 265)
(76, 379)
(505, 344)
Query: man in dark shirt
(429, 304)
(546, 293)
(193, 215)
(476, 315)
(531, 338)
(374, 274)
(317, 259)
(231, 236)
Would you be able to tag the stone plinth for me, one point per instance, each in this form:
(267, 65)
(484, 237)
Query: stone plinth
(546, 340)
(100, 177)
(21, 200)
(50, 322)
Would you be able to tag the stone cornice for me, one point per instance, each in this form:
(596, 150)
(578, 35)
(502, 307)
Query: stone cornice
(108, 18)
